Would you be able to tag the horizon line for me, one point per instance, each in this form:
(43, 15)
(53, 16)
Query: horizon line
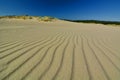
(63, 18)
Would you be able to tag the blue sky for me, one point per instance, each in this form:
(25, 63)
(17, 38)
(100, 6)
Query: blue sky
(65, 9)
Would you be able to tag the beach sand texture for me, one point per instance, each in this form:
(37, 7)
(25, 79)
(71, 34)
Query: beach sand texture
(60, 50)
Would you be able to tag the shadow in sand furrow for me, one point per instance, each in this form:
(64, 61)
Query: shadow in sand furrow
(11, 51)
(25, 47)
(16, 44)
(38, 41)
(3, 67)
(97, 58)
(85, 58)
(51, 62)
(75, 42)
(110, 60)
(29, 50)
(13, 44)
(8, 44)
(5, 44)
(46, 52)
(9, 74)
(62, 60)
(19, 49)
(107, 47)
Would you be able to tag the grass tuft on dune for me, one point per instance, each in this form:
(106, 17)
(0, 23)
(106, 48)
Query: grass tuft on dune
(26, 17)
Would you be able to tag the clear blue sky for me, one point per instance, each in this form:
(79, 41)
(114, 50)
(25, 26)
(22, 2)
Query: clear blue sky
(68, 9)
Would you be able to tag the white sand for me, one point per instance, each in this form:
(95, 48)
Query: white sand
(60, 50)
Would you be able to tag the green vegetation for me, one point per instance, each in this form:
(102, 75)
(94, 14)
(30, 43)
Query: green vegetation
(16, 17)
(25, 17)
(97, 22)
(47, 18)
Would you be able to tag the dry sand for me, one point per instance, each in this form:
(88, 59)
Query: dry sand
(61, 50)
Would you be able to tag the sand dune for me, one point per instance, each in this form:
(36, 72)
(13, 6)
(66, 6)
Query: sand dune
(60, 50)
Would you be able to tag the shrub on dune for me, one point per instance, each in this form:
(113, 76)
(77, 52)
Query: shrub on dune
(26, 17)
(46, 19)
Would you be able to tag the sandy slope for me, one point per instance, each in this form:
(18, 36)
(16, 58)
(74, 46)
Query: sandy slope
(31, 50)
